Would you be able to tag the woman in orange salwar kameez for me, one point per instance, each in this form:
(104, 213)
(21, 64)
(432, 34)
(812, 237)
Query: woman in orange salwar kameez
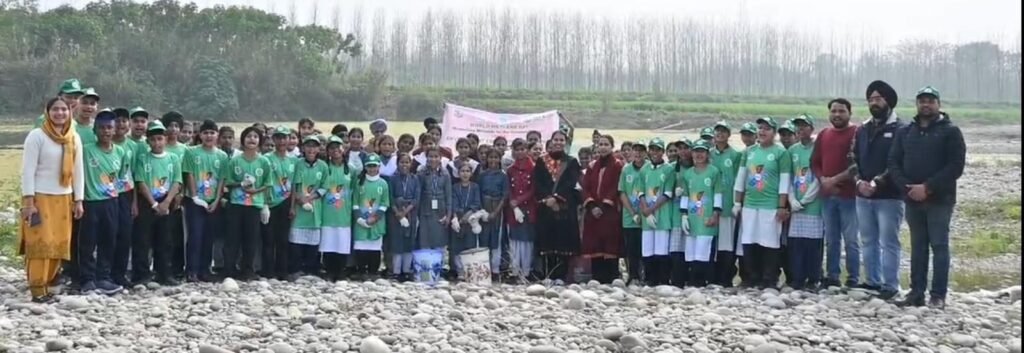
(52, 187)
(602, 222)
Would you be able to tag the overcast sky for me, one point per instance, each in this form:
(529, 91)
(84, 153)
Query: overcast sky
(953, 21)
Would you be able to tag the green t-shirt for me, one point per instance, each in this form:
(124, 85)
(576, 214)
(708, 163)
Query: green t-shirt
(337, 200)
(659, 180)
(701, 189)
(631, 183)
(677, 222)
(86, 133)
(283, 170)
(127, 177)
(256, 171)
(177, 149)
(205, 166)
(803, 177)
(728, 164)
(309, 179)
(158, 173)
(104, 171)
(371, 197)
(764, 167)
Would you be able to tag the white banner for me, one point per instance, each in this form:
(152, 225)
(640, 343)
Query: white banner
(460, 121)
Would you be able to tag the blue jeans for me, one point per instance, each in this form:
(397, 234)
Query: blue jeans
(840, 217)
(879, 222)
(929, 230)
(200, 239)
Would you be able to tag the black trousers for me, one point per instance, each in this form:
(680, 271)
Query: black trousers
(335, 264)
(177, 234)
(680, 269)
(556, 267)
(604, 270)
(762, 265)
(634, 252)
(123, 240)
(96, 240)
(151, 245)
(242, 238)
(367, 261)
(304, 258)
(276, 248)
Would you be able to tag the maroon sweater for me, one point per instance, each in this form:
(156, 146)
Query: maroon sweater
(830, 157)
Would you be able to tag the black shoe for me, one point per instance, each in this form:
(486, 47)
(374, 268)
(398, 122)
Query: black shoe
(44, 299)
(123, 282)
(825, 283)
(869, 287)
(192, 279)
(210, 278)
(248, 276)
(851, 284)
(911, 300)
(887, 294)
(144, 280)
(937, 303)
(168, 281)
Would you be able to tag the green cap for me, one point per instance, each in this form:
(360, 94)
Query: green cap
(768, 120)
(687, 142)
(121, 111)
(155, 126)
(282, 130)
(138, 111)
(748, 127)
(929, 90)
(804, 118)
(90, 92)
(372, 159)
(707, 132)
(71, 86)
(722, 125)
(657, 142)
(310, 138)
(335, 139)
(701, 145)
(788, 126)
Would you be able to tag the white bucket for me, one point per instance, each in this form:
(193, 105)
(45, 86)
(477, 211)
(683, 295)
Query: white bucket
(427, 265)
(476, 266)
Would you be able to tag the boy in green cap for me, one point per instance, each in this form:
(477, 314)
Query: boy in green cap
(748, 134)
(173, 123)
(656, 221)
(762, 194)
(727, 160)
(707, 134)
(371, 202)
(96, 241)
(202, 168)
(275, 233)
(88, 105)
(126, 199)
(631, 190)
(702, 190)
(807, 229)
(787, 134)
(157, 183)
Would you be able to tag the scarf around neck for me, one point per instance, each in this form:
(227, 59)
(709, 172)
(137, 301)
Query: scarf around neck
(65, 138)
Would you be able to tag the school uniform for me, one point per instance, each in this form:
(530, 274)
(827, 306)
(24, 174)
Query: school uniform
(631, 184)
(177, 217)
(677, 237)
(659, 183)
(388, 168)
(125, 221)
(336, 220)
(807, 227)
(763, 178)
(152, 231)
(703, 198)
(99, 226)
(305, 234)
(435, 203)
(728, 163)
(494, 191)
(243, 236)
(521, 232)
(204, 166)
(465, 201)
(372, 200)
(275, 247)
(405, 192)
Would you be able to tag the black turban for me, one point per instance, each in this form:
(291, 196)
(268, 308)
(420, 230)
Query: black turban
(885, 90)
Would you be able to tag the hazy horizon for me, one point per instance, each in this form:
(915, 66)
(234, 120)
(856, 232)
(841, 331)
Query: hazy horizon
(885, 22)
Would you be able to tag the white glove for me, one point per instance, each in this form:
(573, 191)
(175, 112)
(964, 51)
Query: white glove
(265, 215)
(199, 202)
(404, 222)
(307, 206)
(679, 191)
(455, 225)
(651, 221)
(636, 219)
(362, 222)
(485, 216)
(246, 183)
(686, 224)
(795, 206)
(476, 228)
(736, 208)
(520, 216)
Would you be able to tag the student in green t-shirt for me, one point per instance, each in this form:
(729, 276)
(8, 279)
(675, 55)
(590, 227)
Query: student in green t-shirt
(98, 231)
(677, 239)
(247, 177)
(727, 160)
(631, 190)
(304, 205)
(173, 122)
(202, 169)
(762, 189)
(157, 183)
(279, 199)
(336, 205)
(126, 210)
(806, 229)
(701, 207)
(86, 111)
(371, 202)
(656, 221)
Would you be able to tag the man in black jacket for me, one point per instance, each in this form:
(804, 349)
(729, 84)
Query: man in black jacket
(926, 160)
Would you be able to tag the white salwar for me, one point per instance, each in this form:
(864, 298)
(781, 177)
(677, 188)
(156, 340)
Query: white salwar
(337, 240)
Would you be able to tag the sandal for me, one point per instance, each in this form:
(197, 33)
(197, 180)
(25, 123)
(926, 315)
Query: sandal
(44, 299)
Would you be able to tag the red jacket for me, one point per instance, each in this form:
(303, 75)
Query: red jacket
(601, 183)
(830, 157)
(521, 185)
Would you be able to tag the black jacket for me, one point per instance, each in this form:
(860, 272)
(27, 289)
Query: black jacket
(871, 146)
(934, 155)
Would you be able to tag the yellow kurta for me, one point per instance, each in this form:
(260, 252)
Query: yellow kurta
(46, 244)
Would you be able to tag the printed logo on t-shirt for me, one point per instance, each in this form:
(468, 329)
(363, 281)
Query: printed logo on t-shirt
(283, 188)
(207, 185)
(160, 188)
(697, 204)
(108, 184)
(757, 177)
(771, 157)
(801, 181)
(336, 197)
(707, 181)
(728, 163)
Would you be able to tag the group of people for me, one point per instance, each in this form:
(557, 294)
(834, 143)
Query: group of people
(181, 201)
